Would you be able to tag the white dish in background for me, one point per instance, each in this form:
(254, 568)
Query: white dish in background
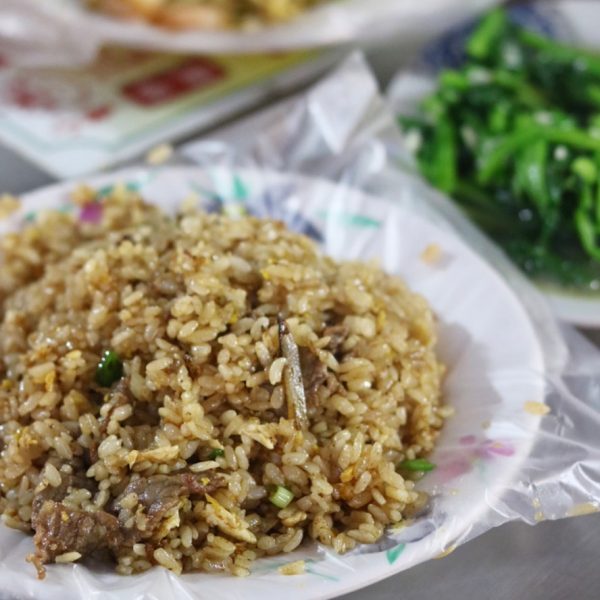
(486, 338)
(577, 310)
(50, 33)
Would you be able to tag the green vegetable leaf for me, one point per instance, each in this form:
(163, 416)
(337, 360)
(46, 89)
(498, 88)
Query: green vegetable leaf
(583, 59)
(499, 119)
(440, 166)
(531, 167)
(485, 39)
(598, 207)
(510, 144)
(587, 234)
(586, 169)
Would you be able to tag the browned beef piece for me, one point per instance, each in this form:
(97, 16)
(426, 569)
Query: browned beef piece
(198, 486)
(338, 335)
(60, 529)
(159, 494)
(58, 493)
(314, 372)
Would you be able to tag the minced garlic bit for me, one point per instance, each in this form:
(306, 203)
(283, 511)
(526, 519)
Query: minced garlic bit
(297, 567)
(431, 254)
(537, 408)
(587, 508)
(446, 552)
(67, 557)
(347, 474)
(159, 155)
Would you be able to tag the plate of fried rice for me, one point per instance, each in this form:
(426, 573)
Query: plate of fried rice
(218, 382)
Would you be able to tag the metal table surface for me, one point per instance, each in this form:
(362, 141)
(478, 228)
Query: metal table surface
(551, 561)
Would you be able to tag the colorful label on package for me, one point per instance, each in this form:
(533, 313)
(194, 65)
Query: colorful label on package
(75, 121)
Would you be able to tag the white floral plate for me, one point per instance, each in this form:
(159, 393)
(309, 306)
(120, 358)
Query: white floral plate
(486, 339)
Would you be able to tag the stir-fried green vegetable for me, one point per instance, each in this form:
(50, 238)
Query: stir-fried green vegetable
(110, 369)
(514, 137)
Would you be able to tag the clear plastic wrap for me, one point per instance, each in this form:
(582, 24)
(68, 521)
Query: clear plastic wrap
(523, 444)
(50, 33)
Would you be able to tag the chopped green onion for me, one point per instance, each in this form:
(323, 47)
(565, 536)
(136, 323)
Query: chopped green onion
(110, 369)
(281, 496)
(418, 464)
(215, 453)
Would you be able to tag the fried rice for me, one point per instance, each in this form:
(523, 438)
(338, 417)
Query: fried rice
(259, 394)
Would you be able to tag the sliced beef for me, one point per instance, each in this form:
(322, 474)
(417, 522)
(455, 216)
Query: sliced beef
(60, 529)
(159, 494)
(338, 335)
(58, 493)
(200, 486)
(314, 372)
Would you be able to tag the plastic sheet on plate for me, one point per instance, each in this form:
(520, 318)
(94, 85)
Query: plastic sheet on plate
(523, 443)
(34, 32)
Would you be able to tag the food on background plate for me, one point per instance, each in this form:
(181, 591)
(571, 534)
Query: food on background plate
(199, 391)
(205, 14)
(513, 136)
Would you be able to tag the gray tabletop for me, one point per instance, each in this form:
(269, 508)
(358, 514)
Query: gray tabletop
(551, 561)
